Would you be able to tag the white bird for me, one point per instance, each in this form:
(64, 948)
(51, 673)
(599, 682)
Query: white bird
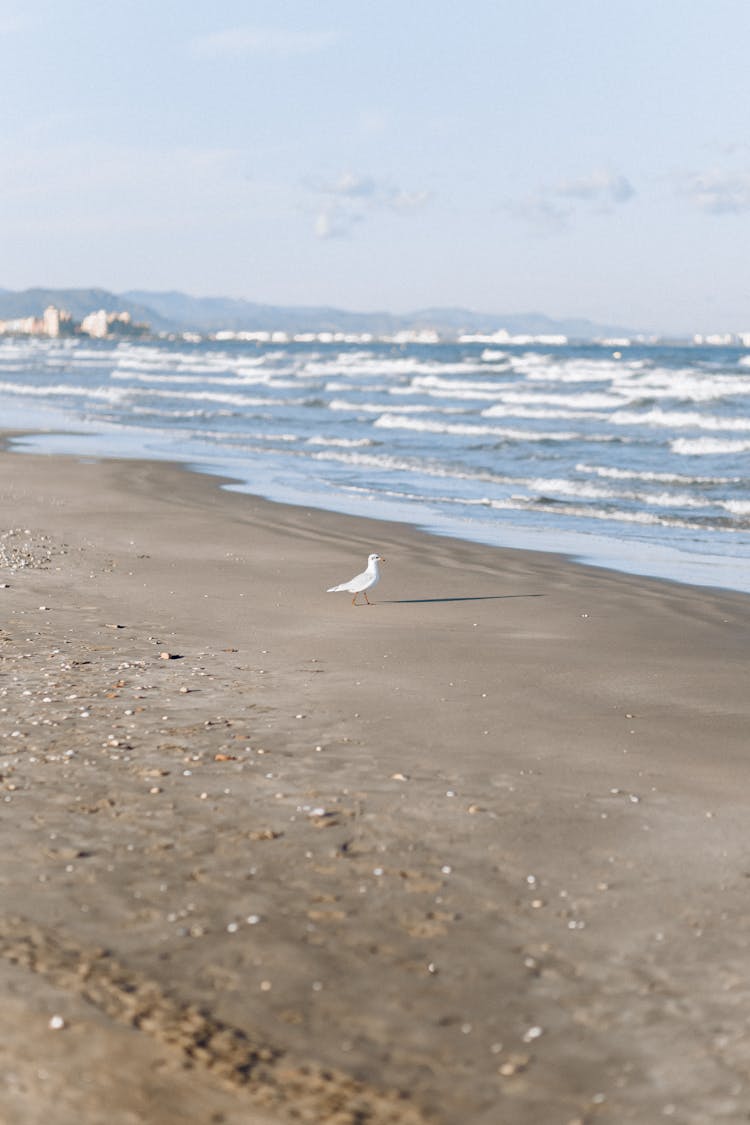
(361, 583)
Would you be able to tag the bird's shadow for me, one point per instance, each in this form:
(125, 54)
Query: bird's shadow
(468, 598)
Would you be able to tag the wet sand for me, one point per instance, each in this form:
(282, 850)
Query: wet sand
(476, 854)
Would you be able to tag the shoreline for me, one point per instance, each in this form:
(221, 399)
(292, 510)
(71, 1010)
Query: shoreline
(476, 843)
(641, 559)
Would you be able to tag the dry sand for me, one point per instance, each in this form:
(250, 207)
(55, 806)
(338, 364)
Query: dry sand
(476, 854)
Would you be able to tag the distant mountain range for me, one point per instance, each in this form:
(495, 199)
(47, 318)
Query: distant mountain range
(179, 312)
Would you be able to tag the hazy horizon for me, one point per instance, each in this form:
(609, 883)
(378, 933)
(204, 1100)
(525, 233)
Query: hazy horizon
(579, 161)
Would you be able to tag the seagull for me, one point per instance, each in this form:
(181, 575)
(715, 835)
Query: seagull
(361, 583)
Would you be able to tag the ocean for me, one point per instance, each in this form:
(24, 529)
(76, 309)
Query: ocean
(635, 458)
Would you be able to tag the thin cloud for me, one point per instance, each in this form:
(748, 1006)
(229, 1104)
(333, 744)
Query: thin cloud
(542, 214)
(336, 222)
(718, 192)
(353, 187)
(353, 199)
(262, 41)
(604, 188)
(554, 209)
(408, 200)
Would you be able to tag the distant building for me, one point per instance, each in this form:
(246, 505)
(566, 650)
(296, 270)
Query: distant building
(96, 324)
(57, 322)
(51, 321)
(101, 324)
(263, 337)
(416, 336)
(502, 336)
(22, 326)
(716, 339)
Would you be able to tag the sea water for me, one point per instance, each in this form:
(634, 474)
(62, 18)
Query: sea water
(636, 458)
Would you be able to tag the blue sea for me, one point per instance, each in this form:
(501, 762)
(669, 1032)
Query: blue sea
(636, 459)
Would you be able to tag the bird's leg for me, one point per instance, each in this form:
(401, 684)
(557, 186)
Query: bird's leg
(354, 599)
(366, 597)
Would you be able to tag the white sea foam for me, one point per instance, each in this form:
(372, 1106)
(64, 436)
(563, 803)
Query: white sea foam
(526, 504)
(687, 385)
(539, 367)
(111, 394)
(382, 461)
(80, 363)
(586, 490)
(647, 475)
(510, 411)
(378, 408)
(676, 419)
(206, 396)
(699, 447)
(166, 361)
(398, 422)
(346, 443)
(175, 379)
(438, 384)
(587, 401)
(385, 367)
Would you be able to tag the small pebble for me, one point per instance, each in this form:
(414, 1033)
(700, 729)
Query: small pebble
(514, 1065)
(56, 1023)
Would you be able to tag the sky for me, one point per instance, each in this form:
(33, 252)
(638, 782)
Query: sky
(580, 159)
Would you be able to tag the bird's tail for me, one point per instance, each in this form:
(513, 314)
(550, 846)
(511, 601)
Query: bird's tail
(337, 589)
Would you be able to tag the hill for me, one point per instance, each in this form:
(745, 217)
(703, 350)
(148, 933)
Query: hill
(79, 302)
(173, 311)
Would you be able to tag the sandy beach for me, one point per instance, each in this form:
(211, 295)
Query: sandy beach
(475, 855)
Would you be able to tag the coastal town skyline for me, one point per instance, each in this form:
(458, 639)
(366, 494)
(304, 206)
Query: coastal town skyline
(565, 160)
(174, 315)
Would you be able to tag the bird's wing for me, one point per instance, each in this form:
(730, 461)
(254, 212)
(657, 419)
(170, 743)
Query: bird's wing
(354, 585)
